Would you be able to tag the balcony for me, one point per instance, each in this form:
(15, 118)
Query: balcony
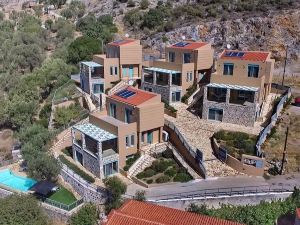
(240, 97)
(216, 94)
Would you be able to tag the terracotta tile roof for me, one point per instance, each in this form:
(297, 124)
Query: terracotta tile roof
(141, 213)
(298, 213)
(191, 45)
(138, 98)
(248, 55)
(121, 42)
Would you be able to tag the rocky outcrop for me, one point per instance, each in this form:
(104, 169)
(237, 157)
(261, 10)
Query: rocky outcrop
(272, 33)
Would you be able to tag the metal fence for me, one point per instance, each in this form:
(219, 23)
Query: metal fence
(264, 133)
(220, 192)
(61, 205)
(191, 150)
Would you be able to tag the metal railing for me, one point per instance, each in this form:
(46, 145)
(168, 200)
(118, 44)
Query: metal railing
(221, 192)
(62, 205)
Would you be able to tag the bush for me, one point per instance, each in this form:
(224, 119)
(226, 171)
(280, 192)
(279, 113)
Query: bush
(87, 215)
(131, 161)
(170, 172)
(144, 4)
(159, 166)
(150, 181)
(167, 154)
(170, 108)
(182, 177)
(220, 135)
(140, 175)
(181, 170)
(189, 92)
(163, 179)
(140, 196)
(76, 169)
(149, 172)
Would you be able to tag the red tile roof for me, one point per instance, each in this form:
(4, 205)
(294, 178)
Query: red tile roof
(121, 42)
(141, 213)
(298, 213)
(191, 46)
(248, 55)
(138, 98)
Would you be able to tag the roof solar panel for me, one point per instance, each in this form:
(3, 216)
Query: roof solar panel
(181, 44)
(241, 54)
(234, 54)
(125, 93)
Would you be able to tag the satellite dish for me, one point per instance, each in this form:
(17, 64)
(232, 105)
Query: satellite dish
(228, 46)
(183, 37)
(126, 35)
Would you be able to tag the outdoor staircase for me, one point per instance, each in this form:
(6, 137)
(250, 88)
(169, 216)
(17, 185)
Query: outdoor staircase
(142, 163)
(119, 86)
(195, 97)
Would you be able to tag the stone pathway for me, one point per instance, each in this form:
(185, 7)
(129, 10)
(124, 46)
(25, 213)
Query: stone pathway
(198, 132)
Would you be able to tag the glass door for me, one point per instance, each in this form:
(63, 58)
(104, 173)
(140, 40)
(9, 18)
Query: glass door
(131, 71)
(110, 169)
(149, 137)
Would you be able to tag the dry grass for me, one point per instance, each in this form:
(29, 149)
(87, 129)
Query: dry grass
(6, 142)
(292, 81)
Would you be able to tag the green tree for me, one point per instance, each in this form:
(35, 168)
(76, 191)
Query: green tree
(48, 24)
(21, 210)
(116, 189)
(57, 3)
(67, 13)
(87, 215)
(65, 115)
(83, 48)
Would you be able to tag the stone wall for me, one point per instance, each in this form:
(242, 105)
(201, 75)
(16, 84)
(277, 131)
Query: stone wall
(88, 192)
(232, 113)
(164, 91)
(91, 163)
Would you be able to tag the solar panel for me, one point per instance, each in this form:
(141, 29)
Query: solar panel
(181, 44)
(234, 54)
(125, 93)
(118, 41)
(241, 54)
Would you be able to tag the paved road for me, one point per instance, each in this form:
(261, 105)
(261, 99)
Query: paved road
(169, 190)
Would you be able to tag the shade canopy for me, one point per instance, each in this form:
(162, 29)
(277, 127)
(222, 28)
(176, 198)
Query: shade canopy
(160, 70)
(43, 187)
(231, 86)
(91, 64)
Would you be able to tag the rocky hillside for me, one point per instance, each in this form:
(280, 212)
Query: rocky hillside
(270, 29)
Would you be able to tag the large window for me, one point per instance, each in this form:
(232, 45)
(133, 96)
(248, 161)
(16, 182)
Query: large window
(130, 140)
(97, 88)
(111, 70)
(171, 56)
(176, 79)
(228, 69)
(128, 113)
(113, 110)
(176, 96)
(215, 114)
(189, 76)
(187, 58)
(216, 94)
(241, 96)
(253, 70)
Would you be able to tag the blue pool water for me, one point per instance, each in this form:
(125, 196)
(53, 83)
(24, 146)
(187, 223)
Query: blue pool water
(9, 179)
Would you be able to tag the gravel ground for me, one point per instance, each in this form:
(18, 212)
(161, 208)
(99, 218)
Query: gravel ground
(198, 133)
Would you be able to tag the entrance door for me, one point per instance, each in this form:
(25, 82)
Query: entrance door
(124, 71)
(131, 71)
(110, 169)
(215, 114)
(149, 137)
(79, 157)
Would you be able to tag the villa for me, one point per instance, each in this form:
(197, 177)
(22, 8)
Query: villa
(134, 119)
(186, 63)
(122, 61)
(239, 87)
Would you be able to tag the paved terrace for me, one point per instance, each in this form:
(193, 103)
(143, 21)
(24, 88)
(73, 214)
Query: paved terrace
(198, 132)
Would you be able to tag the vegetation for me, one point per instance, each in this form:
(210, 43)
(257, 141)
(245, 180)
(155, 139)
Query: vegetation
(131, 161)
(116, 189)
(21, 210)
(236, 143)
(170, 108)
(63, 196)
(144, 4)
(87, 215)
(264, 213)
(140, 196)
(76, 169)
(164, 169)
(189, 92)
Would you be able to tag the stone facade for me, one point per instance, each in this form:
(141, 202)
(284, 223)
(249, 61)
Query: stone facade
(232, 113)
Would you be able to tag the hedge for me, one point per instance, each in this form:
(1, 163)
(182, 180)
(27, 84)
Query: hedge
(76, 169)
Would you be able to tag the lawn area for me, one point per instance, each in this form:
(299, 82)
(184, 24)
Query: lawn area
(63, 196)
(236, 143)
(164, 169)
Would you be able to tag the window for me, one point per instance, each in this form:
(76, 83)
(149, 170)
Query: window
(187, 57)
(189, 76)
(116, 70)
(128, 113)
(215, 114)
(253, 70)
(228, 69)
(111, 70)
(176, 96)
(97, 88)
(171, 56)
(112, 110)
(216, 94)
(143, 137)
(130, 140)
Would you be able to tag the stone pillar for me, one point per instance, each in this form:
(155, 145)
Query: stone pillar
(170, 79)
(227, 95)
(154, 77)
(100, 159)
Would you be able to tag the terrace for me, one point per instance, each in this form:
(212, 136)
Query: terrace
(162, 77)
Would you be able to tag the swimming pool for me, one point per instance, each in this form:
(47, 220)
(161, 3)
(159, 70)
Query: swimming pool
(11, 180)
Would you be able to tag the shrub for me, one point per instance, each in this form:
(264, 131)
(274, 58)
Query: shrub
(140, 175)
(189, 92)
(140, 196)
(87, 215)
(76, 169)
(167, 154)
(170, 108)
(159, 166)
(220, 135)
(149, 172)
(170, 172)
(181, 170)
(162, 179)
(150, 181)
(182, 177)
(144, 4)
